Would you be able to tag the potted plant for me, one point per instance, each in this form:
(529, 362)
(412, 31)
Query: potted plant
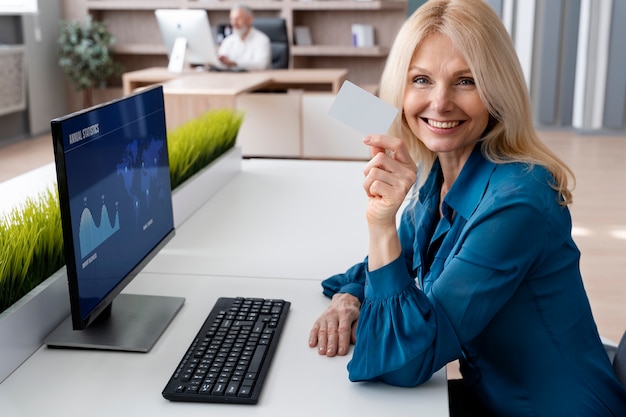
(85, 57)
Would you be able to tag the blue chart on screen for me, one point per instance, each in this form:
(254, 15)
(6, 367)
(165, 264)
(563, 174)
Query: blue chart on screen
(91, 235)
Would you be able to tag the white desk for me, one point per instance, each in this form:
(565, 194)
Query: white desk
(278, 219)
(66, 383)
(284, 226)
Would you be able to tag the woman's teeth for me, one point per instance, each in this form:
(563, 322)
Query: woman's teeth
(443, 125)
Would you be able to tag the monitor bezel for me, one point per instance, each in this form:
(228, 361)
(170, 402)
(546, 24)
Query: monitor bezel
(103, 307)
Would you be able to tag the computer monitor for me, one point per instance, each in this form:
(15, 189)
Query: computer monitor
(189, 28)
(116, 213)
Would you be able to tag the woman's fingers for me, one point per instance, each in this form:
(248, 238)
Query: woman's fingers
(333, 331)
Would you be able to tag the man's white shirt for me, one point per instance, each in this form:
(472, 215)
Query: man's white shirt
(252, 54)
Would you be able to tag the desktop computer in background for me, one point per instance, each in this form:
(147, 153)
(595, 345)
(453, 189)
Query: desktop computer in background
(188, 38)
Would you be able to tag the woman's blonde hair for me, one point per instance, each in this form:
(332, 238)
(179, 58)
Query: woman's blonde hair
(478, 33)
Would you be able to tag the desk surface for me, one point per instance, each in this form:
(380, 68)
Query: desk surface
(68, 383)
(278, 218)
(219, 83)
(275, 230)
(286, 78)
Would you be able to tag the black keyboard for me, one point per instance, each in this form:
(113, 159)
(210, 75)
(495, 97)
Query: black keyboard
(228, 360)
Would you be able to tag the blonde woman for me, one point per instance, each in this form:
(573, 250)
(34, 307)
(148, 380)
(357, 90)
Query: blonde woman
(482, 267)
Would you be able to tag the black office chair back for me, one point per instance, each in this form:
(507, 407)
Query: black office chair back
(619, 361)
(276, 29)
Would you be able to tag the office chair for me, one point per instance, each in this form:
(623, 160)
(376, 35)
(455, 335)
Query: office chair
(276, 29)
(619, 360)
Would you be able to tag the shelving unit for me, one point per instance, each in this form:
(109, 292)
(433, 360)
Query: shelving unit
(12, 79)
(139, 45)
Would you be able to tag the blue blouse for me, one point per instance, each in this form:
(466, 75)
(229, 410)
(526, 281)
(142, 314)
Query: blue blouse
(494, 283)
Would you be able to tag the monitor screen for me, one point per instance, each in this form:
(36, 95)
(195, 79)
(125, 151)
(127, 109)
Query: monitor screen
(115, 197)
(193, 26)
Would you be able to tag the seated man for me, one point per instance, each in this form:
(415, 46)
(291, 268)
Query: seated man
(246, 48)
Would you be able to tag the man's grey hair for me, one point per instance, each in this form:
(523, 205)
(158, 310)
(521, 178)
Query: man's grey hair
(247, 10)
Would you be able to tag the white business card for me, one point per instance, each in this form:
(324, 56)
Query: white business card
(362, 110)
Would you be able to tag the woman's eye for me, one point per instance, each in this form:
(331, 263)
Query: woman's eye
(467, 81)
(420, 80)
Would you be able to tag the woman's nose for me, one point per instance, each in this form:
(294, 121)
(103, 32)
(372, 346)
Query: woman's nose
(441, 99)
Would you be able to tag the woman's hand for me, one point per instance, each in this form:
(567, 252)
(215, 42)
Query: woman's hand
(389, 176)
(335, 329)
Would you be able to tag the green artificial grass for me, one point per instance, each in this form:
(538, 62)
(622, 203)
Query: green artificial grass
(198, 142)
(31, 238)
(31, 246)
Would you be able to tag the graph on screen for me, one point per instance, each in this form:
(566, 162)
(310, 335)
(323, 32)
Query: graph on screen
(93, 234)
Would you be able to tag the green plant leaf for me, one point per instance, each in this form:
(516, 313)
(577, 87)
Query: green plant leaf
(84, 53)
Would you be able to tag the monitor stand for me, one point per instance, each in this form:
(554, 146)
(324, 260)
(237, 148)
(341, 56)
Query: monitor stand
(135, 324)
(177, 56)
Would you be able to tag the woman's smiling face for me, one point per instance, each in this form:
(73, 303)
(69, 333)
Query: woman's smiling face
(441, 104)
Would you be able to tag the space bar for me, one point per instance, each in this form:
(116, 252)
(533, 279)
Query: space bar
(257, 359)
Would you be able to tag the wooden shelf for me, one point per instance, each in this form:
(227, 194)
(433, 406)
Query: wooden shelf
(133, 5)
(139, 49)
(255, 5)
(179, 4)
(138, 44)
(347, 51)
(315, 50)
(348, 5)
(227, 5)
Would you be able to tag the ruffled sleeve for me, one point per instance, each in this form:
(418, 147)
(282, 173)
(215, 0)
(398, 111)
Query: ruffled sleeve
(352, 282)
(394, 311)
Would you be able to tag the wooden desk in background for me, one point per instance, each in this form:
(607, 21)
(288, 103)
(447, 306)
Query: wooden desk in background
(318, 79)
(308, 79)
(188, 97)
(277, 124)
(190, 93)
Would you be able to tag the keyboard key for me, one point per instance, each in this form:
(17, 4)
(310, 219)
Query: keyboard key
(257, 359)
(232, 388)
(245, 391)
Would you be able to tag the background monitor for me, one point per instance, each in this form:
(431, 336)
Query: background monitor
(193, 26)
(116, 213)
